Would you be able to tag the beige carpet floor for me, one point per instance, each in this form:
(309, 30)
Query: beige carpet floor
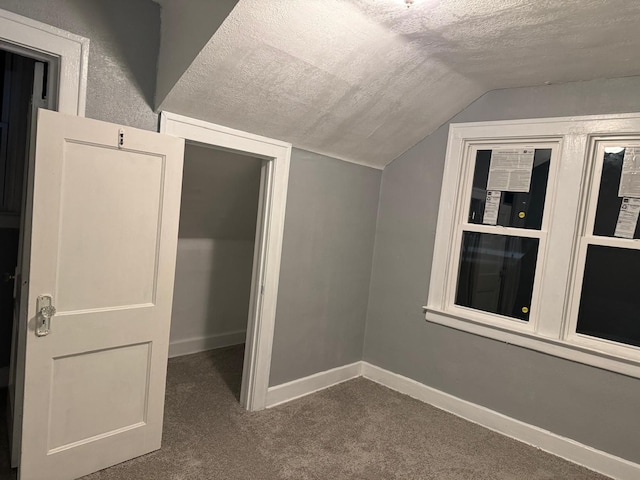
(355, 430)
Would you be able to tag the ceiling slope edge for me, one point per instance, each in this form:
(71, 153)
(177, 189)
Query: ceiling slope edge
(184, 32)
(446, 122)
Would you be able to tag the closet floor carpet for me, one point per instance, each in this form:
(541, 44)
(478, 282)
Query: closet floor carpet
(355, 430)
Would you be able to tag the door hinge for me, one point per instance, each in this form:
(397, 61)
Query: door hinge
(261, 289)
(121, 138)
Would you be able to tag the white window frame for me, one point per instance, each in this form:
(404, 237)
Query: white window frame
(586, 238)
(568, 214)
(461, 226)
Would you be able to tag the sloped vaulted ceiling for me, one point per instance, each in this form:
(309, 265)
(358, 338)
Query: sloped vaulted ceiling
(364, 80)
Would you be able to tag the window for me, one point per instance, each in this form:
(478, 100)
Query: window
(606, 300)
(538, 239)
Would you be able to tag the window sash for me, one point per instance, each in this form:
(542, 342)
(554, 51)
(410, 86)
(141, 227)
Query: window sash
(596, 160)
(586, 238)
(570, 334)
(462, 225)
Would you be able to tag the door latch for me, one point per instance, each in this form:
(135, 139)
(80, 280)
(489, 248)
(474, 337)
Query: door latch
(46, 311)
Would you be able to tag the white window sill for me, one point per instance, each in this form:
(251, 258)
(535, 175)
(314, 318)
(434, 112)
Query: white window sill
(551, 346)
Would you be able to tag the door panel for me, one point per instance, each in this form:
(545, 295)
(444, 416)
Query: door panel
(104, 237)
(98, 184)
(74, 411)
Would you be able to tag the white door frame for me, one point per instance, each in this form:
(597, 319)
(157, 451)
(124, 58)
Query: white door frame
(266, 272)
(38, 40)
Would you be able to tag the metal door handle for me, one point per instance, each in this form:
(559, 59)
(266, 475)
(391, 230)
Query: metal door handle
(46, 311)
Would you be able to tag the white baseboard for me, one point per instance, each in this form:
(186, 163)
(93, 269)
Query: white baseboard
(4, 377)
(566, 448)
(307, 385)
(202, 344)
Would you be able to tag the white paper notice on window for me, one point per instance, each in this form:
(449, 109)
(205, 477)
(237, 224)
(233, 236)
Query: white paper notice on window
(630, 178)
(510, 169)
(491, 207)
(628, 218)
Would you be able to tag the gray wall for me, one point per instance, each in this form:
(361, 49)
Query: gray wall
(328, 245)
(215, 247)
(123, 52)
(592, 406)
(326, 266)
(219, 194)
(331, 207)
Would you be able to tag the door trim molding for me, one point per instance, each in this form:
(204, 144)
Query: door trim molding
(269, 234)
(301, 387)
(69, 52)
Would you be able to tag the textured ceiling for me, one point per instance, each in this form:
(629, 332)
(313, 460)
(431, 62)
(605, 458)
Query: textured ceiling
(364, 80)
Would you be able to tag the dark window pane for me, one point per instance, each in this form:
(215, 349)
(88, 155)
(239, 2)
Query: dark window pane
(496, 273)
(608, 200)
(610, 302)
(517, 209)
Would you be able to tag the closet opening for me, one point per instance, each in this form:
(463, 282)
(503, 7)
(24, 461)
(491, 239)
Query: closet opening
(217, 248)
(263, 214)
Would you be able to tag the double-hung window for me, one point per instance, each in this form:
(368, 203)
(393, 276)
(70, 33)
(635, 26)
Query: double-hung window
(538, 239)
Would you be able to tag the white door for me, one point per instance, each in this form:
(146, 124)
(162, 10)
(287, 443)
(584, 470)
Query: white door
(104, 233)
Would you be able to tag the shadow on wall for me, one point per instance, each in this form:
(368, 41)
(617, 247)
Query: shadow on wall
(219, 194)
(213, 280)
(215, 246)
(230, 285)
(120, 19)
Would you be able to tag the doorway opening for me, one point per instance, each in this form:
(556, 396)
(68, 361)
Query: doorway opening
(42, 67)
(215, 256)
(66, 84)
(16, 83)
(274, 157)
(24, 87)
